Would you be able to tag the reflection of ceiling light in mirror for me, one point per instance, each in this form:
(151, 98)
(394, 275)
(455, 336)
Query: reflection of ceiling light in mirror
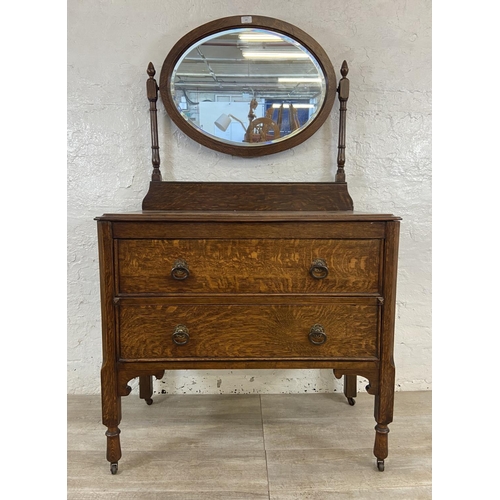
(299, 80)
(296, 106)
(267, 54)
(259, 37)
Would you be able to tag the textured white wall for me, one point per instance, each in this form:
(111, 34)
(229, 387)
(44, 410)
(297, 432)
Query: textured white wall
(387, 44)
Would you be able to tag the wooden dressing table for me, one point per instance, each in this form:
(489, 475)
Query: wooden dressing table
(247, 275)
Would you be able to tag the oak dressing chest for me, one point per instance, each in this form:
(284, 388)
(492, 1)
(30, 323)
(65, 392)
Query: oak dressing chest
(247, 275)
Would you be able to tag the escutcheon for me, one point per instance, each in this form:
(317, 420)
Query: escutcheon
(317, 335)
(180, 270)
(180, 335)
(318, 269)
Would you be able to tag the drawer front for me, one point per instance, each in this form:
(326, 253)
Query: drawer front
(249, 266)
(151, 332)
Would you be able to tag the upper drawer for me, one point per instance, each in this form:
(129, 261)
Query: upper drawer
(249, 266)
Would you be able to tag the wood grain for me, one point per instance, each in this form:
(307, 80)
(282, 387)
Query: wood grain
(145, 331)
(240, 227)
(248, 266)
(243, 216)
(247, 196)
(249, 300)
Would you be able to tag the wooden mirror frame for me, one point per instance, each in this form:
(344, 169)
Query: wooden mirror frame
(233, 22)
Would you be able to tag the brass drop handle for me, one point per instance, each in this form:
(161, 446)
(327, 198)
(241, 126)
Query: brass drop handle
(318, 269)
(180, 335)
(317, 335)
(180, 270)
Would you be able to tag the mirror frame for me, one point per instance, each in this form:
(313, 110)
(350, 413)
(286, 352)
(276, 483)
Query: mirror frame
(227, 23)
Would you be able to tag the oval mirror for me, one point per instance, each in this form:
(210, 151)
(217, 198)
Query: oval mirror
(248, 85)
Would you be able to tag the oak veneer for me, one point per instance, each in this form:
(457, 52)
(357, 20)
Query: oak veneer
(249, 299)
(248, 265)
(245, 331)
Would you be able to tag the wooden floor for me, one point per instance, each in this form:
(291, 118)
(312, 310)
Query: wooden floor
(250, 447)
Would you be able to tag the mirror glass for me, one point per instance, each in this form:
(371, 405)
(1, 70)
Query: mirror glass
(248, 86)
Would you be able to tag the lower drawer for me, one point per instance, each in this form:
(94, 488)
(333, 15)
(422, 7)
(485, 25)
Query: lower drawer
(165, 331)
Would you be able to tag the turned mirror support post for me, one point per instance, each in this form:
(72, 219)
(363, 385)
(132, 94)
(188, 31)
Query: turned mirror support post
(343, 91)
(152, 90)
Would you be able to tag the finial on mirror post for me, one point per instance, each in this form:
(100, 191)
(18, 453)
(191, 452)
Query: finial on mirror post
(343, 91)
(151, 70)
(152, 92)
(344, 69)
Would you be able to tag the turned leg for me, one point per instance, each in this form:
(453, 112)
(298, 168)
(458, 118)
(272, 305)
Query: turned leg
(146, 388)
(111, 417)
(381, 448)
(113, 450)
(350, 388)
(384, 406)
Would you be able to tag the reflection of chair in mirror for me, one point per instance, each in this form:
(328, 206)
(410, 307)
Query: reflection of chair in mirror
(294, 118)
(287, 126)
(280, 116)
(261, 129)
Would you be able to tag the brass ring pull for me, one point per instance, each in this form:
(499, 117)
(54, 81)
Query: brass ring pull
(180, 335)
(180, 270)
(318, 269)
(317, 335)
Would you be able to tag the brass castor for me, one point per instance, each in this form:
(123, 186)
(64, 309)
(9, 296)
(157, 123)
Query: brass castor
(149, 401)
(351, 401)
(113, 468)
(380, 465)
